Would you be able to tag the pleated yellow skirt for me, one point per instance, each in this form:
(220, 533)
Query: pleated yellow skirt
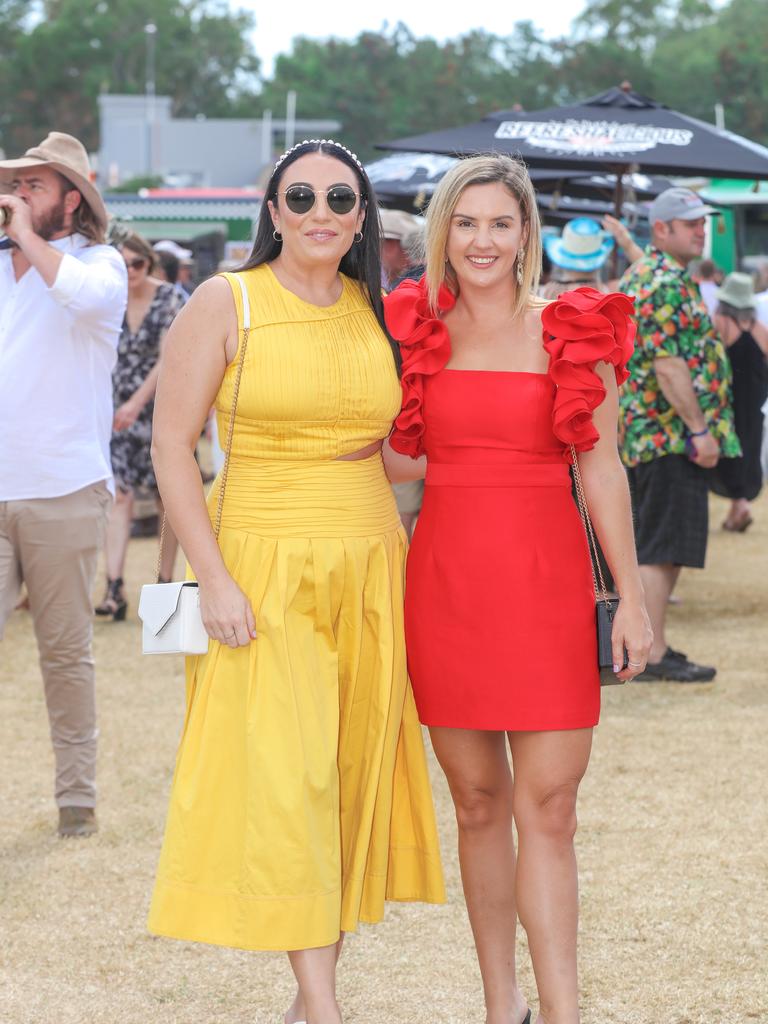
(301, 800)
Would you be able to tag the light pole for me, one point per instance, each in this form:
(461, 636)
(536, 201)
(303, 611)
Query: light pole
(150, 33)
(290, 118)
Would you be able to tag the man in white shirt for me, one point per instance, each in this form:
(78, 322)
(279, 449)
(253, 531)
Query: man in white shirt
(62, 298)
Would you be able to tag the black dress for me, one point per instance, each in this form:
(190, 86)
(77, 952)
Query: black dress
(136, 356)
(743, 477)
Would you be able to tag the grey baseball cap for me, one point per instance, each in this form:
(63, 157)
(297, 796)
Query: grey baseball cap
(678, 204)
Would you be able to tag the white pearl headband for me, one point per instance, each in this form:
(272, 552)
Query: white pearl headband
(320, 142)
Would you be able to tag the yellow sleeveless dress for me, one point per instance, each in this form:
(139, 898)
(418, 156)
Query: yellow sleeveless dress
(301, 800)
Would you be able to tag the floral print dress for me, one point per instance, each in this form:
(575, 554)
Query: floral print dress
(137, 354)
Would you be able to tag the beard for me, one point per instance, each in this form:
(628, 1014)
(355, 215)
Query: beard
(52, 222)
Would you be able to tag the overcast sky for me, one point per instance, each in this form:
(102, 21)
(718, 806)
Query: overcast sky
(276, 25)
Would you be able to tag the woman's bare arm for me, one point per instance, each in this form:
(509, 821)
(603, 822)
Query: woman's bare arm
(607, 494)
(760, 334)
(402, 468)
(622, 237)
(127, 414)
(198, 346)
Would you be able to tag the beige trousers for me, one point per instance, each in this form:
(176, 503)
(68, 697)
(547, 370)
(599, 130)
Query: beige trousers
(51, 545)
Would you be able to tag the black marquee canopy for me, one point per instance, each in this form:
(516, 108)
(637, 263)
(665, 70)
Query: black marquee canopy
(406, 181)
(618, 130)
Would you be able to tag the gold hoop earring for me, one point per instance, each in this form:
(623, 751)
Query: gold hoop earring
(520, 262)
(356, 239)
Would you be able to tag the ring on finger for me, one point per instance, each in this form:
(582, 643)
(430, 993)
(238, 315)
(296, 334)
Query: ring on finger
(635, 664)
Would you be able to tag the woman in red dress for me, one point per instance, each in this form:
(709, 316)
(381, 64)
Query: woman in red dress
(500, 607)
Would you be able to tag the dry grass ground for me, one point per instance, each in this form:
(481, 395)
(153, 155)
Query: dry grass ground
(672, 848)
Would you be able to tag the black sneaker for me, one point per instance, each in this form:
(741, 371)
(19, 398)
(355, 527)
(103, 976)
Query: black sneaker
(672, 653)
(674, 667)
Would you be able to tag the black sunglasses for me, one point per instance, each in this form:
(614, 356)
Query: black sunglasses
(301, 198)
(136, 264)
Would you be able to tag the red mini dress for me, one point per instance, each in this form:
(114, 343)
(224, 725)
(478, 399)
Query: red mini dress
(499, 600)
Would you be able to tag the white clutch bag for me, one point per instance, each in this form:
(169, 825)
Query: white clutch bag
(171, 620)
(170, 612)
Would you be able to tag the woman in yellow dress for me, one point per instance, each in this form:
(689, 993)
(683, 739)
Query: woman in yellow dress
(300, 800)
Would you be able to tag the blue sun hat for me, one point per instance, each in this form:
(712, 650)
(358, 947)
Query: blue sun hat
(583, 245)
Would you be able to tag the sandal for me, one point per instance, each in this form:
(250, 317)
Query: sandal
(114, 603)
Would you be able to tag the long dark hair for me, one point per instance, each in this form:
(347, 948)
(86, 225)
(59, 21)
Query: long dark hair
(363, 260)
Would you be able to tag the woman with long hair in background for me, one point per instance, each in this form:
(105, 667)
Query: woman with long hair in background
(152, 305)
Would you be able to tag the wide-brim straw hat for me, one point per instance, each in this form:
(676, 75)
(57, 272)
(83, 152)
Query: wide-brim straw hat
(738, 291)
(68, 156)
(582, 246)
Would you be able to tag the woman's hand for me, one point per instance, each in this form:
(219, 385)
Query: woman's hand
(631, 630)
(227, 613)
(127, 414)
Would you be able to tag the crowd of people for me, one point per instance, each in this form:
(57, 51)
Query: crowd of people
(300, 801)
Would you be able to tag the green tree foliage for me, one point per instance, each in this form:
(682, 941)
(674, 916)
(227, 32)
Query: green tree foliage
(740, 77)
(12, 17)
(57, 56)
(76, 49)
(688, 54)
(385, 84)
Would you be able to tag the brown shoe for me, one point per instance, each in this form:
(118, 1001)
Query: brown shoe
(739, 525)
(77, 822)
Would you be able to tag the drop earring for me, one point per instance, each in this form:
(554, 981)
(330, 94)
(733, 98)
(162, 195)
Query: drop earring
(277, 236)
(520, 262)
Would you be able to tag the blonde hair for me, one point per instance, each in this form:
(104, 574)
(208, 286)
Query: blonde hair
(483, 170)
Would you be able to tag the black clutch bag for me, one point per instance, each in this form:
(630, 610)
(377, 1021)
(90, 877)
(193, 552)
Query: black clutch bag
(605, 610)
(605, 607)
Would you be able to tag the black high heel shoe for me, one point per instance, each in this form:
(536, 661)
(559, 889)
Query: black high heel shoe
(114, 603)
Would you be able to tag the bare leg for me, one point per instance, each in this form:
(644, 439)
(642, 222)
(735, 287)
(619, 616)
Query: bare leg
(297, 1011)
(118, 533)
(170, 546)
(477, 769)
(315, 971)
(739, 513)
(408, 519)
(548, 769)
(658, 583)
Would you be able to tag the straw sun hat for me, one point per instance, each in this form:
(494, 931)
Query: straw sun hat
(65, 154)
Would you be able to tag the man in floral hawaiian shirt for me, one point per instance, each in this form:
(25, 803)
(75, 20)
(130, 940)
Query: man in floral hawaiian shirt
(676, 416)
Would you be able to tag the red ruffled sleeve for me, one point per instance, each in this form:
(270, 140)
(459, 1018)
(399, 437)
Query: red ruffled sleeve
(425, 348)
(582, 328)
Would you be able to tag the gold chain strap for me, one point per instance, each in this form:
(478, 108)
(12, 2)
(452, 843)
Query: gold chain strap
(230, 432)
(227, 453)
(585, 518)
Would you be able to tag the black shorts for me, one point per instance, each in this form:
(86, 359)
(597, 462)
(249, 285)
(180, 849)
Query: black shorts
(671, 511)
